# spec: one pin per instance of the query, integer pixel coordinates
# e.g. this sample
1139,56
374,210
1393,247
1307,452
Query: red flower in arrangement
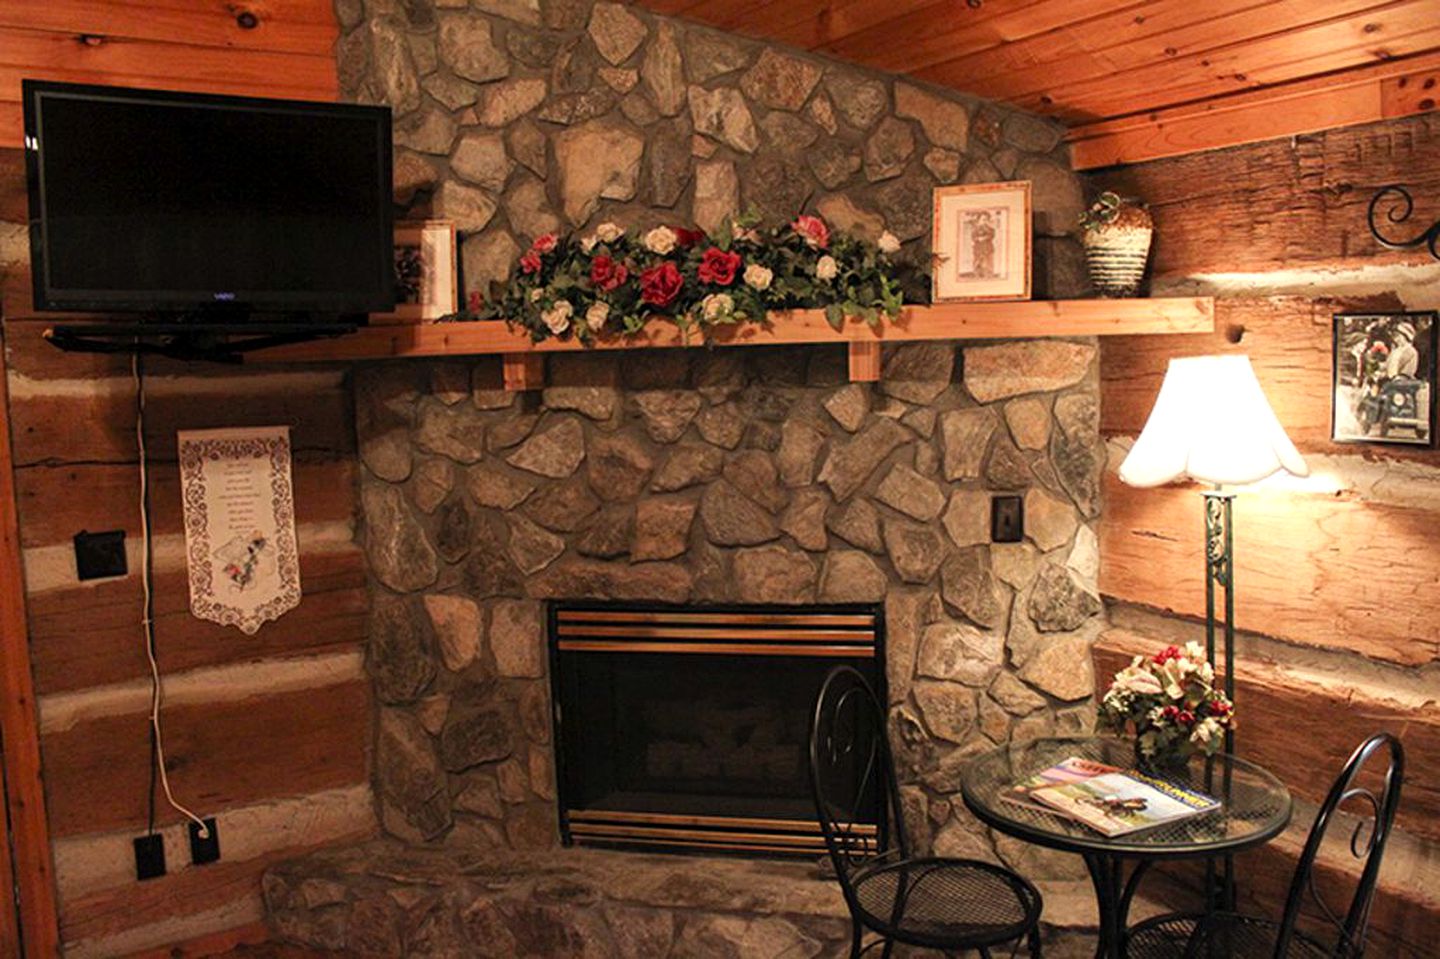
718,266
1186,718
1170,712
474,301
530,262
1219,708
607,273
812,230
687,238
1167,654
660,284
544,243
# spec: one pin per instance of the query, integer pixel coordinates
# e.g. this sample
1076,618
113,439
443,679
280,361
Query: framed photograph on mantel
981,242
1384,386
427,283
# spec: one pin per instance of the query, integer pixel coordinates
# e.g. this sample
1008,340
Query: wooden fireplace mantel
523,360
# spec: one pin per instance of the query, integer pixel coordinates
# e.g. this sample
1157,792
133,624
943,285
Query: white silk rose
557,318
717,305
758,277
596,316
609,232
661,240
826,268
889,242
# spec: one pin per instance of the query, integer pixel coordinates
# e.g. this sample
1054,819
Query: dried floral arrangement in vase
1116,232
1171,703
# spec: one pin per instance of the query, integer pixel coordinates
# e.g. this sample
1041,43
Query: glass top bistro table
1255,806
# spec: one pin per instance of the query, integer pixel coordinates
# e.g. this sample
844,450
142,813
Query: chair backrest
1376,812
856,797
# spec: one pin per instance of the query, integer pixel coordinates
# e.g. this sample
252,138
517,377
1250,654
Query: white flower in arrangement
758,277
536,295
609,232
1207,730
717,306
596,316
1136,679
661,240
557,318
587,242
747,234
826,268
889,242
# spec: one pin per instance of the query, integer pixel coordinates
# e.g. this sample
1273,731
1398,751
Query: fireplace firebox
687,728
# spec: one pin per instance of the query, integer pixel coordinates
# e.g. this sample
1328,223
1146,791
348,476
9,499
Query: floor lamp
1211,423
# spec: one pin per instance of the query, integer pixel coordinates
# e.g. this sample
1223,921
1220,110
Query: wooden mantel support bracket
522,371
864,358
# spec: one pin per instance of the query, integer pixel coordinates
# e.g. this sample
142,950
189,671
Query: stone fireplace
694,478
685,728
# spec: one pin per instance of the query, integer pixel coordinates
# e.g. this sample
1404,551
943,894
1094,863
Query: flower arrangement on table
1171,702
611,283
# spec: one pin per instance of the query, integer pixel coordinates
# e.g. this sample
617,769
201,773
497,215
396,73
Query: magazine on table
1119,803
1069,770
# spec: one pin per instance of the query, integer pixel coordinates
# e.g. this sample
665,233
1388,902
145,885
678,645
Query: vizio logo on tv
224,297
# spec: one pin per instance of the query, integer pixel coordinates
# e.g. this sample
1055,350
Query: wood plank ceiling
1134,79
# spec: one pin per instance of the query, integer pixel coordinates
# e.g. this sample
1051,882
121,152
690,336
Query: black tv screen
175,202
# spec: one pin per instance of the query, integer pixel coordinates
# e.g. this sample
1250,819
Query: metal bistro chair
946,904
1231,934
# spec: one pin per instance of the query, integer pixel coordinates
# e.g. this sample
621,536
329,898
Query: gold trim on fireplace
687,632
684,819
693,836
742,649
744,619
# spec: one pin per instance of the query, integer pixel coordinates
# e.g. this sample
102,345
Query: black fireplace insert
686,728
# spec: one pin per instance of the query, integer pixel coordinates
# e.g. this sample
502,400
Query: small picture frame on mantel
426,278
1384,378
981,242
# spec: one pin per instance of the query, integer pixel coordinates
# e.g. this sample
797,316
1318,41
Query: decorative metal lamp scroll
1401,206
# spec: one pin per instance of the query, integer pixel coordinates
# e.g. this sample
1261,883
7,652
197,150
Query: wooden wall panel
1303,729
1331,572
89,635
1283,204
220,754
279,48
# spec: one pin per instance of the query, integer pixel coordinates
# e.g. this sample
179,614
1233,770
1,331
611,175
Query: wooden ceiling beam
1397,88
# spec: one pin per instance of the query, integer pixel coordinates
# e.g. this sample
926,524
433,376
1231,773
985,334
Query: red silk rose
530,262
812,230
544,243
607,273
718,266
687,238
660,284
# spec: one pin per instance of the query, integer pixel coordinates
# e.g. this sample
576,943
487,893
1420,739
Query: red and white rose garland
609,282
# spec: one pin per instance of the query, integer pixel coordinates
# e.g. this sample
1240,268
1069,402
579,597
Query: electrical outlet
99,555
1007,519
149,856
205,848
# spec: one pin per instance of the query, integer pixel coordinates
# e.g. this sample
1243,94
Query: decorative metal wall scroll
1400,207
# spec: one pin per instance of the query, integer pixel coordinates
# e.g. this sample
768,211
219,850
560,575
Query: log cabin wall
1336,576
267,733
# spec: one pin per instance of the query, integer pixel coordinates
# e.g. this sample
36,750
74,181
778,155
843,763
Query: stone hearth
391,899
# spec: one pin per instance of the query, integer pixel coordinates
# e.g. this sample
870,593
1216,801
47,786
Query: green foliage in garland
611,283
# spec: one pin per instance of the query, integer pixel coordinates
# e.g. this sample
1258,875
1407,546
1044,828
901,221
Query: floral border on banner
610,283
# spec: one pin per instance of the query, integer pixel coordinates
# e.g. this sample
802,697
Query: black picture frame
1383,378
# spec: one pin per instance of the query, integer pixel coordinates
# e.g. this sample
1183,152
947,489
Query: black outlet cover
1007,519
99,555
149,856
207,848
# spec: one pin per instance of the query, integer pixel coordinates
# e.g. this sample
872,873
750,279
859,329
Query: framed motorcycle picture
1384,383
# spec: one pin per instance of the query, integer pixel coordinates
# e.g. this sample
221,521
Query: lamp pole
1220,573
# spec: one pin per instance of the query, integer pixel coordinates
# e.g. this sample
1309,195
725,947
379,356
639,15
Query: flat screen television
177,202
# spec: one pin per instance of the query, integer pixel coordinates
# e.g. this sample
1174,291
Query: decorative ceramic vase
1116,237
1168,764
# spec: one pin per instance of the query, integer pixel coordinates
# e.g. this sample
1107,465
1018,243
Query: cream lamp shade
1211,423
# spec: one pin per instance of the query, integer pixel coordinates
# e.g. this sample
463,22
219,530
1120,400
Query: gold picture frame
427,284
980,240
